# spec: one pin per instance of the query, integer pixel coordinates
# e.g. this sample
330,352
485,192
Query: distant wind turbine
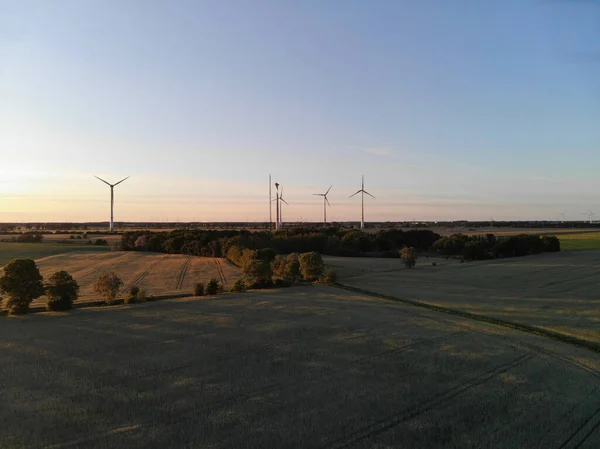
281,208
362,191
590,215
562,215
112,198
325,204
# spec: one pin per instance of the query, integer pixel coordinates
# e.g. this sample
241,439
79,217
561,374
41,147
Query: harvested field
158,274
304,367
10,251
557,292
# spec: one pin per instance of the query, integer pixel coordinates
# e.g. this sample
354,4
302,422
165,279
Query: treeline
481,247
331,241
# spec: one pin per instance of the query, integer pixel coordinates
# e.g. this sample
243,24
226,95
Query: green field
580,241
10,251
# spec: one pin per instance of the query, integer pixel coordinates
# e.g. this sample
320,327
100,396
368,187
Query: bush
212,287
257,274
108,285
141,295
409,257
132,296
61,291
329,277
239,286
311,265
22,282
199,289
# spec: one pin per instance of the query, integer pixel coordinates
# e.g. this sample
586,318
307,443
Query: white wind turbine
112,198
325,204
362,191
281,208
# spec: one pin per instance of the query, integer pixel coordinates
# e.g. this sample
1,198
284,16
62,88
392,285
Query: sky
451,110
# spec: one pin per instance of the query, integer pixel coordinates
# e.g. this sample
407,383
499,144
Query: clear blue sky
451,109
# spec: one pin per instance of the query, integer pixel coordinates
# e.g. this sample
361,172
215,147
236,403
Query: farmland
158,274
10,250
556,292
303,367
580,241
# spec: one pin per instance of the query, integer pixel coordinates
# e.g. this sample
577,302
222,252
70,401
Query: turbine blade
328,189
368,194
355,193
318,194
281,199
107,183
327,202
121,181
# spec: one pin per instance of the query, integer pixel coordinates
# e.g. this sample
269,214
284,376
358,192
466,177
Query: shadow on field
304,367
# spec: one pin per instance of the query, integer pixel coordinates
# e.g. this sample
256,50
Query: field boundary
483,318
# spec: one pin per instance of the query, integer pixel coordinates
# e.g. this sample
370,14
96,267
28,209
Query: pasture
158,274
557,292
303,367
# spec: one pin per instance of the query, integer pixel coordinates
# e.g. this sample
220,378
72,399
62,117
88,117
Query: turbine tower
562,215
325,204
280,208
270,207
112,198
362,191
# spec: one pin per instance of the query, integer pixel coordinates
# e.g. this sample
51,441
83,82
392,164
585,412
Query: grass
10,251
580,241
308,367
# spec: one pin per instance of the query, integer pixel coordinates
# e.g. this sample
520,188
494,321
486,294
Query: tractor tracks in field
383,425
182,273
143,275
220,271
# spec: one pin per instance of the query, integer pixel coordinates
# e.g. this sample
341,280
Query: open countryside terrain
13,250
158,274
556,291
303,367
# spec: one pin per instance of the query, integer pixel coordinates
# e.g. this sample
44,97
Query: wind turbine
112,198
362,191
280,208
590,215
270,207
325,204
562,215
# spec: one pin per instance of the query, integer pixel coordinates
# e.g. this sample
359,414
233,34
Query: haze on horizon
451,110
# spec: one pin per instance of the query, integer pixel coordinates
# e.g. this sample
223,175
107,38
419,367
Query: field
158,274
580,241
303,367
557,292
10,251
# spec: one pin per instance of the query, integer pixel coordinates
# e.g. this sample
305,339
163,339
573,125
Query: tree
278,265
258,274
212,287
22,282
108,286
61,291
329,277
291,271
409,256
311,265
199,289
